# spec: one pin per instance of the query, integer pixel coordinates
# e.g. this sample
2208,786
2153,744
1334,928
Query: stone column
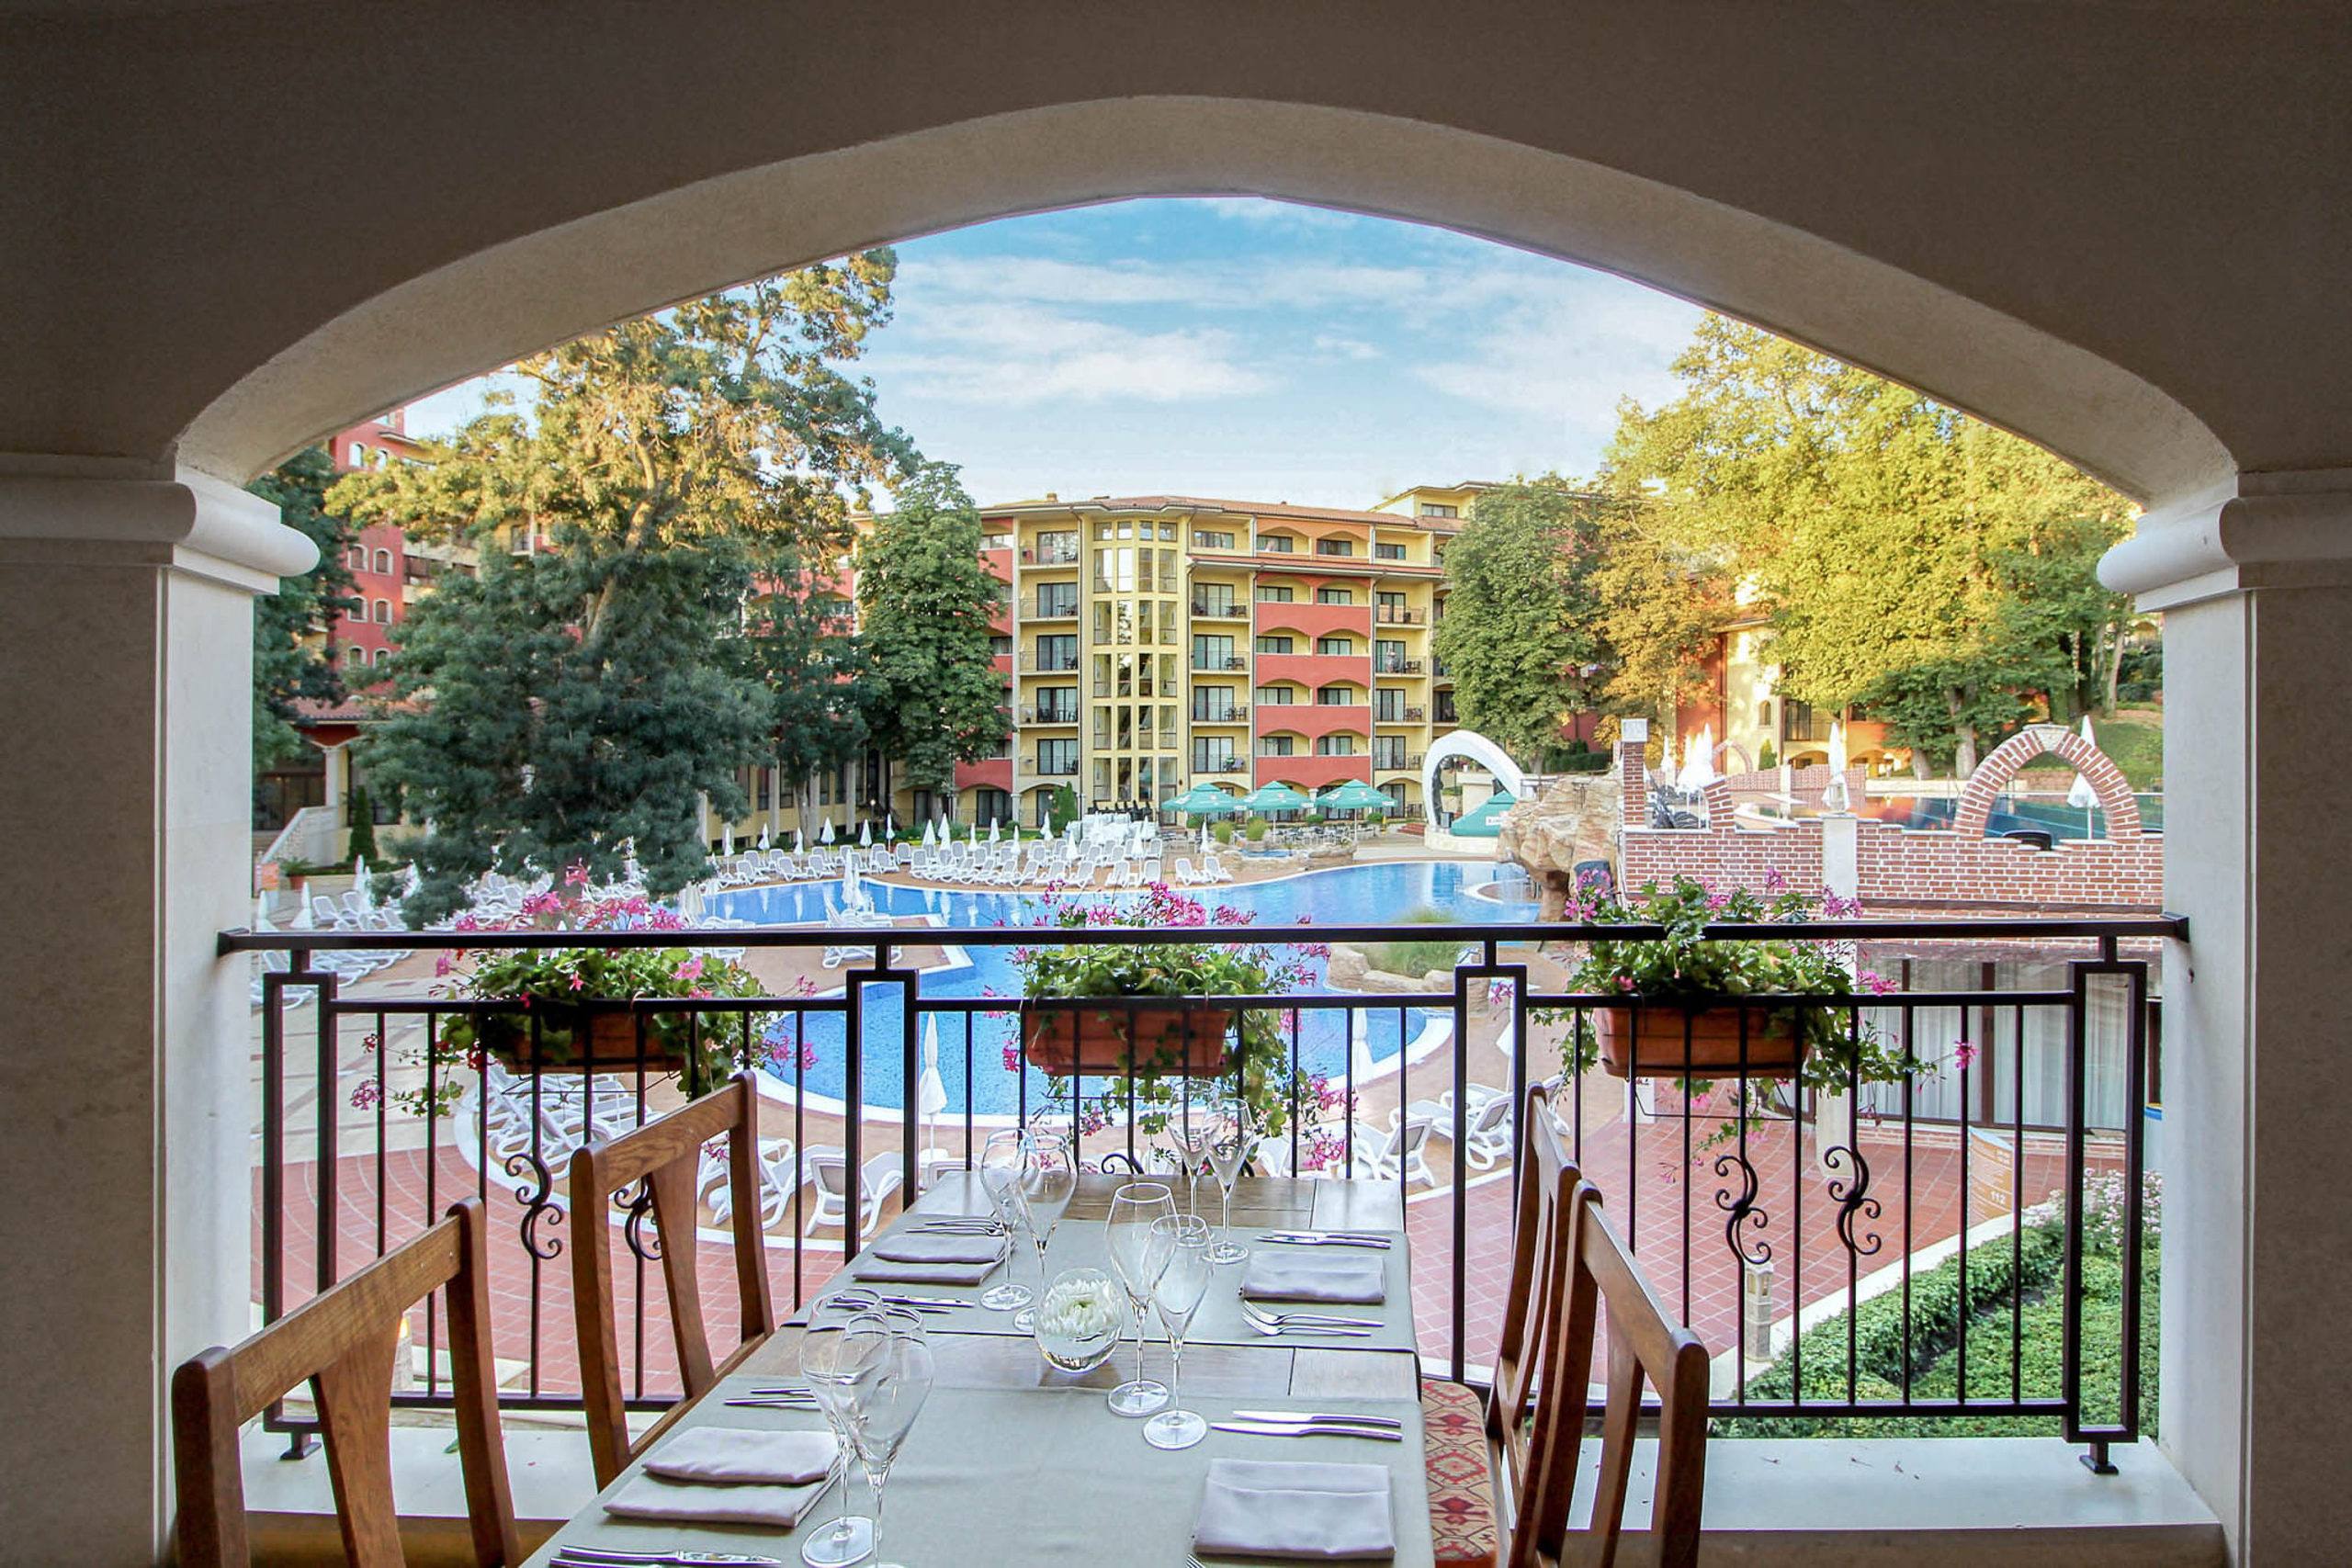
124,1068
2256,585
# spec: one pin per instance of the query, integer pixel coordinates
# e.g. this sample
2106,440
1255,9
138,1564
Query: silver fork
1281,1319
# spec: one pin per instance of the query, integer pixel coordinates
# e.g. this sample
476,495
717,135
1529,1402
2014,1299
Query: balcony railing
1393,760
1398,666
1968,1242
1209,609
1049,715
1223,765
1048,664
1204,661
1231,713
1050,768
1049,609
1389,614
1050,555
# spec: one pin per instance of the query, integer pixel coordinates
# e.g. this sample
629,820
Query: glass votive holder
1079,1319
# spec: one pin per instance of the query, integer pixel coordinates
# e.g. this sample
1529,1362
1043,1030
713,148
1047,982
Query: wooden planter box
1661,1041
1189,1041
611,1040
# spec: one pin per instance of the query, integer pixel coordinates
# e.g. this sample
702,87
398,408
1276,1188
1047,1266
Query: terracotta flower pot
611,1040
1189,1041
1662,1040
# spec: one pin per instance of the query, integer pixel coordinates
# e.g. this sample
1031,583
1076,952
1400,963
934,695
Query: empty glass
1004,1166
1182,1269
1192,1141
1049,1181
895,1372
827,1362
1127,1237
1229,1151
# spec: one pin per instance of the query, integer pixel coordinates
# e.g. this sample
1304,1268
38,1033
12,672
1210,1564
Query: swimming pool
1469,893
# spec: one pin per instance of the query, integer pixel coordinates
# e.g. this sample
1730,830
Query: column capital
2272,530
194,524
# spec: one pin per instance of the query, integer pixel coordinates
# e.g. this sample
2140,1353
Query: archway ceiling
2119,229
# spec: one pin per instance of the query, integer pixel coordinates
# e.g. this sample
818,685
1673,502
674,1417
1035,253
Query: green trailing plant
1689,968
1255,1076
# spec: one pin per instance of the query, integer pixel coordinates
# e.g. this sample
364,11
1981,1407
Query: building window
1391,606
382,654
1212,652
384,562
1335,596
1274,746
1336,646
1388,658
1207,539
355,559
1388,552
1057,599
1276,696
1335,547
1335,696
1212,705
358,455
1057,652
1388,751
355,655
1274,544
1274,594
383,611
996,542
1388,706
1273,645
1211,753
1057,758
1213,599
992,805
1335,745
1000,647
1438,509
1056,704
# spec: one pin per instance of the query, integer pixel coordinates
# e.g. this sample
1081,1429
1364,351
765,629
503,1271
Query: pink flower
578,984
441,966
1775,880
1966,1054
691,969
576,875
364,1094
1877,983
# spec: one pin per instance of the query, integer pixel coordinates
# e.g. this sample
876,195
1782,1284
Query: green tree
1917,563
925,600
819,682
290,661
1522,628
597,679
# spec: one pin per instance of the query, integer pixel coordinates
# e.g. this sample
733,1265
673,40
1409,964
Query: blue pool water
1468,893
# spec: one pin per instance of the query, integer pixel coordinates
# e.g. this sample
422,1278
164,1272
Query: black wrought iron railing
1908,1248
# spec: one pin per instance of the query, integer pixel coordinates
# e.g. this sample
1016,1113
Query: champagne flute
827,1361
1127,1237
1181,1247
893,1353
1049,1182
1229,1151
1004,1166
1192,1147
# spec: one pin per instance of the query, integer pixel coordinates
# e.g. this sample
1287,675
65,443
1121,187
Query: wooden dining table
1013,1463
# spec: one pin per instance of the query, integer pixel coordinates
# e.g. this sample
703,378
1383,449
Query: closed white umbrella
2080,794
931,1090
1836,797
302,920
1699,761
727,840
865,834
799,842
360,882
262,921
763,838
946,826
825,833
993,825
930,836
890,827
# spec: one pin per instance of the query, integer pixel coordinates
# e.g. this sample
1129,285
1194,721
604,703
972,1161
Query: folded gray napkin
736,1456
874,1269
909,1248
1277,1275
1316,1512
650,1497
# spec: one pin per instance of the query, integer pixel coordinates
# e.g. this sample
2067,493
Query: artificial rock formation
1573,821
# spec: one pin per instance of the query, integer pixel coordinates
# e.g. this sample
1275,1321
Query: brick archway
1994,772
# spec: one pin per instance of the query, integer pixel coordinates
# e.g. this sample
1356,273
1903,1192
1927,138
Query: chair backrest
1520,1431
344,1341
1645,1345
666,1155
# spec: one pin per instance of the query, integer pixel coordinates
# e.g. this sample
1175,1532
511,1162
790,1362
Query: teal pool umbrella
1276,796
1486,822
1203,800
1353,794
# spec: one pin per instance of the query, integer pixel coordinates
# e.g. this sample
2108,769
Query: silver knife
1318,1417
1327,1241
1307,1429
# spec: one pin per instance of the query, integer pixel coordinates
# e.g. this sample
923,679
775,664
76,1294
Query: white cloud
1561,354
1019,354
1332,345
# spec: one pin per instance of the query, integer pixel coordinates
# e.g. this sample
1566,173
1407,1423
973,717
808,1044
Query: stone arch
1479,749
1994,772
496,294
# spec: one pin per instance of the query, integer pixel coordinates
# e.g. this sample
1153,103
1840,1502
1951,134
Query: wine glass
1005,1167
1192,1147
1127,1237
896,1370
1048,1182
1229,1151
1180,1246
827,1362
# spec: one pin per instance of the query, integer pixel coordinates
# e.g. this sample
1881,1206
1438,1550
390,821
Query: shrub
1256,831
1766,757
1414,957
1222,832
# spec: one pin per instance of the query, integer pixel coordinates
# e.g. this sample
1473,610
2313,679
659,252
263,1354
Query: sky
1246,350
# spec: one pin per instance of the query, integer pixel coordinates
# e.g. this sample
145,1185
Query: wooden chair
1644,1345
666,1155
344,1341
